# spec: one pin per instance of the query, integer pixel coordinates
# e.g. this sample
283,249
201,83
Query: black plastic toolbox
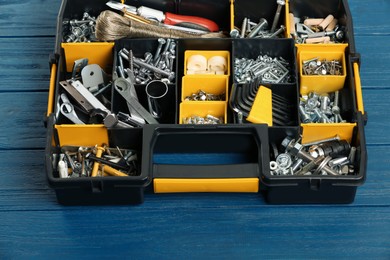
229,157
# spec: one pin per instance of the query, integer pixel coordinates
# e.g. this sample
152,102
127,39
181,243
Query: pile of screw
157,66
207,120
333,157
317,30
76,162
250,29
80,30
265,68
324,108
204,96
316,66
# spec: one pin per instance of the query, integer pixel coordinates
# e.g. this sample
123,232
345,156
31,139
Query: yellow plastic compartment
82,135
318,83
319,131
202,109
208,55
216,85
100,53
206,185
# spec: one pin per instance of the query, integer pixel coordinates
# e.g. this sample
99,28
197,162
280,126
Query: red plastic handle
175,19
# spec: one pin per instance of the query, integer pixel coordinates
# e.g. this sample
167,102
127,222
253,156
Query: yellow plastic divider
250,185
231,14
100,53
50,101
82,135
216,85
318,131
358,85
261,111
202,109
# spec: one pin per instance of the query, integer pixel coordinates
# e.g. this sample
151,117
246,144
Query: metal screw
161,42
325,101
243,27
234,33
279,31
296,149
167,45
260,26
280,3
335,107
169,74
304,116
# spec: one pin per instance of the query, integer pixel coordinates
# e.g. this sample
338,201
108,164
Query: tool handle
194,22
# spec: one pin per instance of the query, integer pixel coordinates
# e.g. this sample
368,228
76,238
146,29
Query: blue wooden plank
21,116
248,233
377,107
24,63
370,17
375,50
28,18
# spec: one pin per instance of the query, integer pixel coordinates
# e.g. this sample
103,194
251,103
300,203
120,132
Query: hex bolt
260,26
280,3
161,42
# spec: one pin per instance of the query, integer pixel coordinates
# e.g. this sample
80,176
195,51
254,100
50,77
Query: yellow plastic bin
321,83
216,85
202,109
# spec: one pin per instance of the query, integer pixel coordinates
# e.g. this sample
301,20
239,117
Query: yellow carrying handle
358,86
51,89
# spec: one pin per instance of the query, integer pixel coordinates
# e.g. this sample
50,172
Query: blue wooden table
236,226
